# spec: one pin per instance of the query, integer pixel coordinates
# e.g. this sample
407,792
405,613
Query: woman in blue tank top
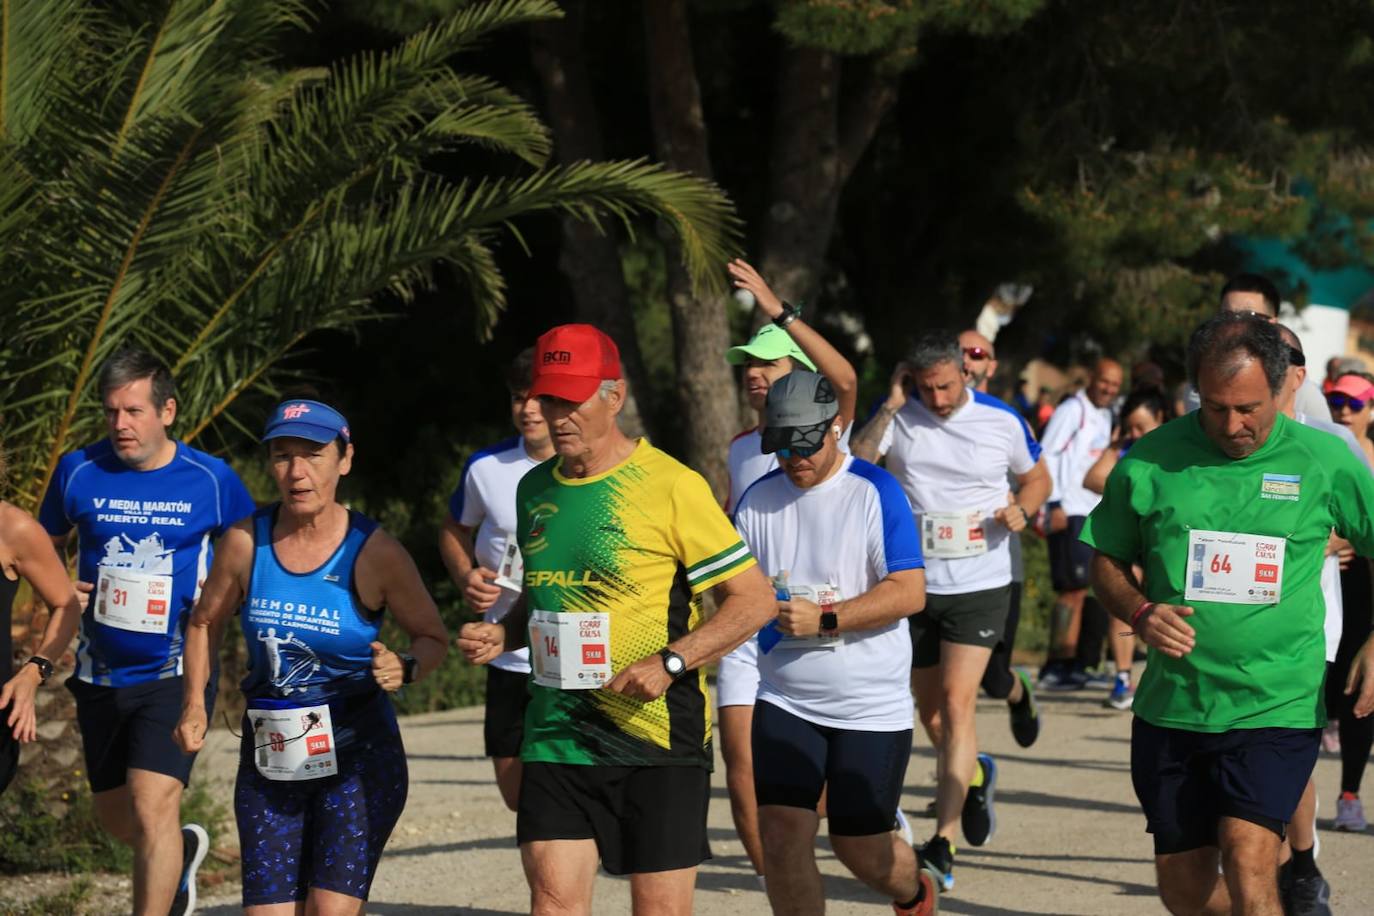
322,772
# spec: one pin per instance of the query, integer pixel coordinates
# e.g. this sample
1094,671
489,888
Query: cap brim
575,388
776,437
295,429
1354,386
736,356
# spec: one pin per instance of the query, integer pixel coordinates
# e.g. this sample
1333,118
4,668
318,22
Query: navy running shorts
1070,558
643,819
130,728
1187,781
327,833
795,759
503,726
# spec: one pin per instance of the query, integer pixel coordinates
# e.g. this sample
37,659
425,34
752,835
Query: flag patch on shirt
1281,486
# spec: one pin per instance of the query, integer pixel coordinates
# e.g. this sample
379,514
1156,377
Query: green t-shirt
640,543
1253,665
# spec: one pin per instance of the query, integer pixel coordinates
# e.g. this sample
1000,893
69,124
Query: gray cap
800,406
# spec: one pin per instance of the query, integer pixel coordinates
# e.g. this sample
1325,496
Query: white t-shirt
485,500
956,464
849,531
1331,568
1074,439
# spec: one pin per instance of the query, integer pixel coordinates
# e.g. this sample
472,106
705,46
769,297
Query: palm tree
165,182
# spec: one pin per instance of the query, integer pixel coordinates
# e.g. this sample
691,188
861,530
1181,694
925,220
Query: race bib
290,745
951,535
570,651
1234,568
816,594
129,600
511,573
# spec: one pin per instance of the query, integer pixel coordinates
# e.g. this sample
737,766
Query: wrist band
1144,606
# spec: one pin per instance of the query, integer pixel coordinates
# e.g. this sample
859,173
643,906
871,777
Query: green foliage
169,183
39,833
1037,596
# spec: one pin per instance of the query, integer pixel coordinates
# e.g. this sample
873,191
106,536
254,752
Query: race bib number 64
1234,568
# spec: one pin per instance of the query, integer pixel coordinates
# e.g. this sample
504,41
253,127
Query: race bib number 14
1234,568
570,651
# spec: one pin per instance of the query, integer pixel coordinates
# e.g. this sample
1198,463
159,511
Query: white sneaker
1350,814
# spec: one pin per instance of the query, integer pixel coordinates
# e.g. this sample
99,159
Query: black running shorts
1070,558
130,728
862,772
973,619
1186,781
643,819
503,727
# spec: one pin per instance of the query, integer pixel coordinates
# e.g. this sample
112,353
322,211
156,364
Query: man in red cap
620,541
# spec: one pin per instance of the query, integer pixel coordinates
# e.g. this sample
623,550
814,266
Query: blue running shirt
308,634
162,522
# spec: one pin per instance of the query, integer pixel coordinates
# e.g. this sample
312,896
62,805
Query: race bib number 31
136,601
951,535
1234,568
570,651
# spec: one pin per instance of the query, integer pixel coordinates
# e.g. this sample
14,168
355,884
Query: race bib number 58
1234,568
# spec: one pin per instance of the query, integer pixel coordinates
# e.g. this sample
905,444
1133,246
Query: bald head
1105,382
979,360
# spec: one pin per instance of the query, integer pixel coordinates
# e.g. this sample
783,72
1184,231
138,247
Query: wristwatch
830,621
409,667
44,668
672,663
789,314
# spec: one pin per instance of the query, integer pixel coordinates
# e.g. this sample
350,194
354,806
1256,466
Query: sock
920,895
1304,864
977,779
763,883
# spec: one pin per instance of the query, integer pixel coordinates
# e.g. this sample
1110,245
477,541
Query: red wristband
1144,606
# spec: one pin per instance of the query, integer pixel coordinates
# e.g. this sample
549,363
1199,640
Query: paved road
1070,838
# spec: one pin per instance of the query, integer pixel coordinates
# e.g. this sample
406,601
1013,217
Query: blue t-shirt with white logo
161,522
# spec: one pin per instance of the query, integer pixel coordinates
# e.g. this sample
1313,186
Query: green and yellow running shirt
640,542
1253,665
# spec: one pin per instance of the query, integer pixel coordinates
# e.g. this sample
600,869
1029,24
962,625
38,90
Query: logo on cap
295,412
558,357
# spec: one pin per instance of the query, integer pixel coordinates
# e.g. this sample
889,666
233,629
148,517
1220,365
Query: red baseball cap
572,360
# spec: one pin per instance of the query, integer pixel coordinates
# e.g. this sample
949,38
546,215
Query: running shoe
936,858
1350,813
1331,737
1310,896
1122,695
979,817
903,828
195,843
1025,716
1097,677
1060,677
928,903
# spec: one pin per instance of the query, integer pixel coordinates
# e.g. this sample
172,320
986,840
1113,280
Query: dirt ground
1070,836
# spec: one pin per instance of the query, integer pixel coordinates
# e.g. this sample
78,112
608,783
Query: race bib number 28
1234,568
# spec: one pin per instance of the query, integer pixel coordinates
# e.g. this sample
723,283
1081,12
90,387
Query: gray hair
1227,339
130,364
935,348
606,387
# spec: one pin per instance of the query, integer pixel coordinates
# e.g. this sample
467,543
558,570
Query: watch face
673,664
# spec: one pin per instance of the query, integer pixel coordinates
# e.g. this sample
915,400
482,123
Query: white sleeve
1059,433
1022,459
474,507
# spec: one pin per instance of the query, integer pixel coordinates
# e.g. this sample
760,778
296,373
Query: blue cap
302,418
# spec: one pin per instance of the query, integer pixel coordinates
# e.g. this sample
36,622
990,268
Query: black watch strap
44,668
410,666
674,664
790,313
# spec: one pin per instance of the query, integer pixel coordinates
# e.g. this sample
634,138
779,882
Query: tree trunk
701,326
818,138
590,259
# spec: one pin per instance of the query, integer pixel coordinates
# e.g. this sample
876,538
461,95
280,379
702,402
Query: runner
1229,510
322,772
1145,409
1076,436
787,343
27,553
836,534
951,449
1303,889
478,546
146,510
619,542
1001,681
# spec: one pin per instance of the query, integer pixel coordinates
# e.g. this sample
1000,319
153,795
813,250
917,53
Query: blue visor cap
305,419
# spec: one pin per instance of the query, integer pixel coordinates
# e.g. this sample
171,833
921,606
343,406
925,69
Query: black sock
920,895
1304,865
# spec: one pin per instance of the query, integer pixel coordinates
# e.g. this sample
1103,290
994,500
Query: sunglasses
1338,400
801,451
977,353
